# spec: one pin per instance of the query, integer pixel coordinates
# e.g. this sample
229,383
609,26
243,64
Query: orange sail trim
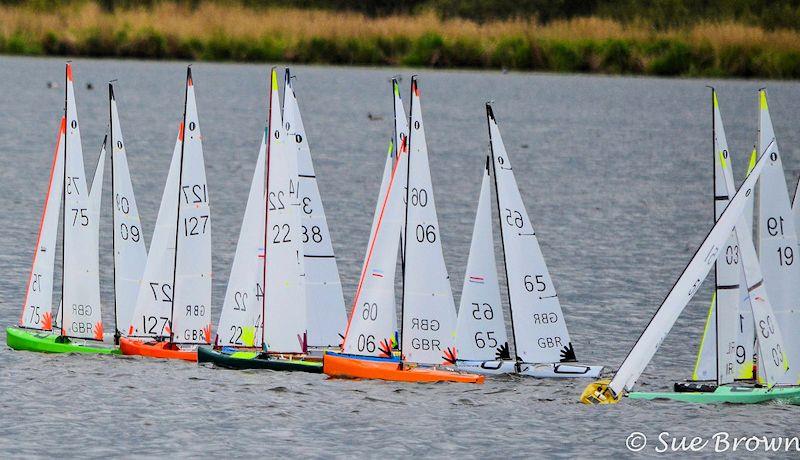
164,350
69,71
98,331
338,366
61,130
207,333
47,321
372,246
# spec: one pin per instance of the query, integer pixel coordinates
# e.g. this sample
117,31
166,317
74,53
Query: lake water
615,173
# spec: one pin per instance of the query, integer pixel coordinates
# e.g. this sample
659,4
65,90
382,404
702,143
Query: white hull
544,370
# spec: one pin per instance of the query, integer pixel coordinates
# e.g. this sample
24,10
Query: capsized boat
539,332
773,365
172,313
258,328
79,325
428,310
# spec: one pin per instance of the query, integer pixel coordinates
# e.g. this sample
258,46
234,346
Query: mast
113,213
67,77
489,118
404,247
273,87
714,210
397,146
178,211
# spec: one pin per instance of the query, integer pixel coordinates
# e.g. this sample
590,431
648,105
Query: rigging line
178,210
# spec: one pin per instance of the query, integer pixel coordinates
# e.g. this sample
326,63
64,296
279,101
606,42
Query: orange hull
353,368
164,350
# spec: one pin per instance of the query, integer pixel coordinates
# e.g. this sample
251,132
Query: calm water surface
615,173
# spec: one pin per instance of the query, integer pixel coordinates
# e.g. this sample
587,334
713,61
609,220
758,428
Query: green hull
46,342
252,360
729,394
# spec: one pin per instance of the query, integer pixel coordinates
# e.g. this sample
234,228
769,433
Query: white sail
240,321
719,356
130,254
191,310
284,301
684,289
777,245
151,314
429,314
81,315
325,310
37,311
481,328
540,330
373,318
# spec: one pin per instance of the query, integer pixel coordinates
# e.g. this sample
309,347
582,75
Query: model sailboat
172,314
80,327
428,318
774,364
265,328
729,297
539,330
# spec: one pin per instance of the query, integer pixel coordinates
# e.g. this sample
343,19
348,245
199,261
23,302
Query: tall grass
216,32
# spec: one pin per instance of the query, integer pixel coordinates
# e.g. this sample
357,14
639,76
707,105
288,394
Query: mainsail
726,351
777,245
191,305
130,254
481,329
539,329
284,300
325,311
80,315
429,315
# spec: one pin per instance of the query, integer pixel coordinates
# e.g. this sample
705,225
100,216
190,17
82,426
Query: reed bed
234,33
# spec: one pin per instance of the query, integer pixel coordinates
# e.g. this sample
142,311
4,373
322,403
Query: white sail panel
37,311
284,307
684,289
728,267
191,310
481,328
429,314
130,254
151,314
80,316
240,320
777,245
540,330
325,310
373,318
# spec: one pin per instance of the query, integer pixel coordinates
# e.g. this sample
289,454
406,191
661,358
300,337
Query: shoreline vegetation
210,31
